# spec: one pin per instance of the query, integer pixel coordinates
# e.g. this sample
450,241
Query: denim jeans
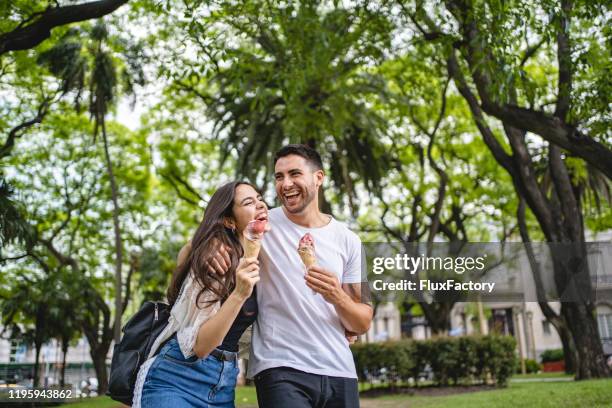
173,381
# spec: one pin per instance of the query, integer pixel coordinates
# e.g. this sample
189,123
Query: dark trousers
284,387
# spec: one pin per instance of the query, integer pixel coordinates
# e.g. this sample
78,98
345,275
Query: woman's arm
213,331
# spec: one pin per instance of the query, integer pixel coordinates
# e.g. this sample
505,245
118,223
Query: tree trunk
36,379
574,286
569,351
39,339
98,357
438,317
97,327
324,205
591,362
118,243
558,321
65,344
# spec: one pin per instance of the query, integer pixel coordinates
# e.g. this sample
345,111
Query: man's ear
319,177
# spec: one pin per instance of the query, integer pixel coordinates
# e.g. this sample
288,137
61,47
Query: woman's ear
229,223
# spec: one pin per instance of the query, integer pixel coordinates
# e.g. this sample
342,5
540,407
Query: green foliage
297,73
551,355
230,82
13,226
460,359
531,366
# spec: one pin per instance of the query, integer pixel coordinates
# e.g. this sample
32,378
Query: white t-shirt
295,326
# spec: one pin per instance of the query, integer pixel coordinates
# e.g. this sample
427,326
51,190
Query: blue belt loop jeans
173,381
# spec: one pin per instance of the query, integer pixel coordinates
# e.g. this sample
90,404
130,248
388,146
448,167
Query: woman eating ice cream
198,364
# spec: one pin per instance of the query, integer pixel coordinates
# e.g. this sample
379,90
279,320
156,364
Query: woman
208,310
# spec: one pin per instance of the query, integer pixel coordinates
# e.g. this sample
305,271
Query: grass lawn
594,393
95,402
245,396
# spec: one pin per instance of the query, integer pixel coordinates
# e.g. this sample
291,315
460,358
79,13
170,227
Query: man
300,356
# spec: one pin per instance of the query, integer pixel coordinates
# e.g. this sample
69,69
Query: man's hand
219,260
326,283
350,336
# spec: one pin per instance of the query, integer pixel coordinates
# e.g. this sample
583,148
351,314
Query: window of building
604,322
546,327
18,351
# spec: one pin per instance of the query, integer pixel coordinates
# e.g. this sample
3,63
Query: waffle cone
307,256
251,248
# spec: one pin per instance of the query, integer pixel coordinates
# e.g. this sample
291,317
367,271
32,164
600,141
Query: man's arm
355,316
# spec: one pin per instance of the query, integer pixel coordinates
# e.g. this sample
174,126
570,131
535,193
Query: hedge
552,355
450,359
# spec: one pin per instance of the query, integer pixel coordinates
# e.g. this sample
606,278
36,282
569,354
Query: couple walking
301,317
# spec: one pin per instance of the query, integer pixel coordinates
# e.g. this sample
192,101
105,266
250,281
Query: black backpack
139,334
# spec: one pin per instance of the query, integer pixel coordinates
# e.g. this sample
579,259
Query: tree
69,209
24,25
434,151
23,313
34,303
500,82
293,74
98,73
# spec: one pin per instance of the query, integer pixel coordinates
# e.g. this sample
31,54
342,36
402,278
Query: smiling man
300,356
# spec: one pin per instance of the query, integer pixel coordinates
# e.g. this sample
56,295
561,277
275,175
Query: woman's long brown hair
209,235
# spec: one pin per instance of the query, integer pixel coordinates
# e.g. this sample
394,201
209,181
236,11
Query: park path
363,403
378,403
531,380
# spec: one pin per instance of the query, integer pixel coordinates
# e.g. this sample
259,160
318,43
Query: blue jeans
173,381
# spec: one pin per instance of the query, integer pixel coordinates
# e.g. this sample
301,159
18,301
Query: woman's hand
247,275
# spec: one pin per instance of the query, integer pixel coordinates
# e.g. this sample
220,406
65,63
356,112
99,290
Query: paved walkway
532,380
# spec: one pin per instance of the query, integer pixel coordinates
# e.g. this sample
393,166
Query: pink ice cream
306,250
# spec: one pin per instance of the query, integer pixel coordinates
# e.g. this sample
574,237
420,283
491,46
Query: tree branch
435,217
43,108
29,36
489,138
547,310
134,263
176,188
62,259
530,51
553,129
563,186
187,186
13,258
565,62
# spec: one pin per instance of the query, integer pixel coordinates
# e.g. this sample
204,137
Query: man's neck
310,217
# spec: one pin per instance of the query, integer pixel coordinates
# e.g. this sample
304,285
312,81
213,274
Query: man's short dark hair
302,150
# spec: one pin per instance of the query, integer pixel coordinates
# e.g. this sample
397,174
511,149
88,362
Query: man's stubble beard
308,198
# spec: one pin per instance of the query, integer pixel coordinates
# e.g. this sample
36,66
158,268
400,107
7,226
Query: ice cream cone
251,248
251,242
308,256
306,250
